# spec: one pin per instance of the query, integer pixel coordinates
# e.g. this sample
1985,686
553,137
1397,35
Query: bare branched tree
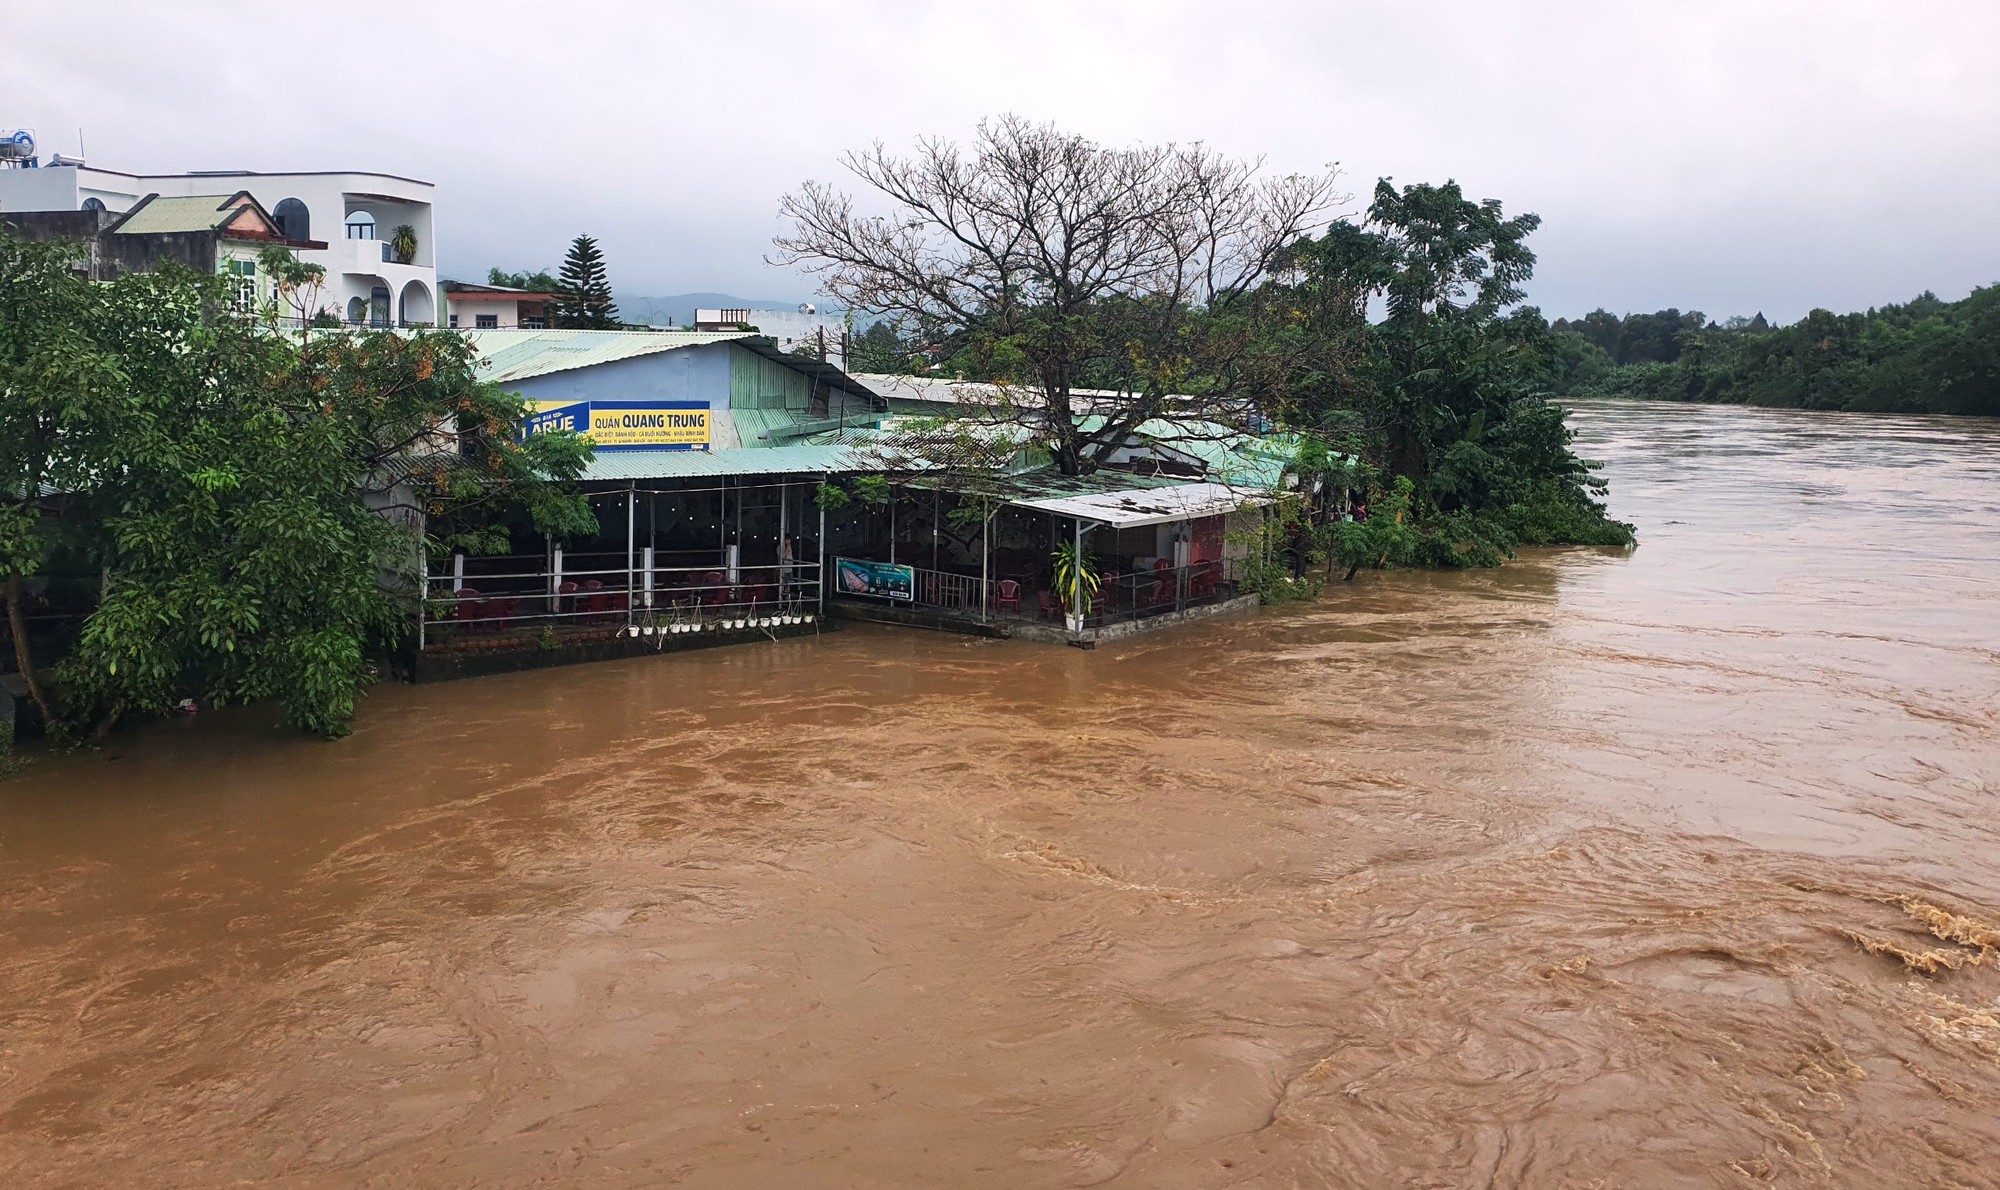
1061,265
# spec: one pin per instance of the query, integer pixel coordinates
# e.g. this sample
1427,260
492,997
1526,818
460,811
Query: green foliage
252,496
299,286
871,489
1925,356
1075,574
1385,538
583,296
831,497
1445,395
403,242
881,348
539,281
1282,555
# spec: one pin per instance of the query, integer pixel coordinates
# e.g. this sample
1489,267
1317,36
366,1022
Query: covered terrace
985,551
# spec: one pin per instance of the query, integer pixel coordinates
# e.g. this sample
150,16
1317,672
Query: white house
356,214
803,330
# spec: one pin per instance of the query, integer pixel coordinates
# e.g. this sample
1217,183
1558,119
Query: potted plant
1075,582
403,242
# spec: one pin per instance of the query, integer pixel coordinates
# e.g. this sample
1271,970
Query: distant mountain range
679,308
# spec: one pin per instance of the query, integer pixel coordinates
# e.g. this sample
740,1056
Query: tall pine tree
584,301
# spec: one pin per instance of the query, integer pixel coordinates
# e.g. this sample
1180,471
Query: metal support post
1076,576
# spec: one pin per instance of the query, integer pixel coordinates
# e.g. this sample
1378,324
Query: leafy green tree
258,501
62,395
1446,391
583,296
881,349
538,281
274,497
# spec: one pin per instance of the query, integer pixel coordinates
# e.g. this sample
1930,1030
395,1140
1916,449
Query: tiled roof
202,212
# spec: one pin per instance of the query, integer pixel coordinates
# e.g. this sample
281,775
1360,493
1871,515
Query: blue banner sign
883,580
627,425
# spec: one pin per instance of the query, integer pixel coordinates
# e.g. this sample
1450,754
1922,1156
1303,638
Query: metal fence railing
1120,597
945,589
479,598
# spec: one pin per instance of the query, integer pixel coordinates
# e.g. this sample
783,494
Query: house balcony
371,257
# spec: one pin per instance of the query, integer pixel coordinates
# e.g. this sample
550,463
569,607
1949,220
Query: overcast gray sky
1731,157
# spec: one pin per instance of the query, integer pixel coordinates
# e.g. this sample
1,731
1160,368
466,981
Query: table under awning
1128,508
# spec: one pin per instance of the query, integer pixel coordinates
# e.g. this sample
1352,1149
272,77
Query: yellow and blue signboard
627,425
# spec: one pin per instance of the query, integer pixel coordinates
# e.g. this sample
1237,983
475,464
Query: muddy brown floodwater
1677,868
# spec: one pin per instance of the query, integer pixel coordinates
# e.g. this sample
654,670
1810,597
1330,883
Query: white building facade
355,214
803,330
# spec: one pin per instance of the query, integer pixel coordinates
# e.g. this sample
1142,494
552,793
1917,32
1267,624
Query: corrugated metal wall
759,383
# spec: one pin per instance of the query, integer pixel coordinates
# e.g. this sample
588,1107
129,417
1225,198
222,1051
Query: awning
1133,507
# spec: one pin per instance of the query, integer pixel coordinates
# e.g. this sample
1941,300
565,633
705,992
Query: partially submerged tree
583,297
250,495
1448,389
1056,264
62,394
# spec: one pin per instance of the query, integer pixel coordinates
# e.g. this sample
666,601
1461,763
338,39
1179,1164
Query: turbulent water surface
1671,868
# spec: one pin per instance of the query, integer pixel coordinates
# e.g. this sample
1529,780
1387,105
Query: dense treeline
1924,356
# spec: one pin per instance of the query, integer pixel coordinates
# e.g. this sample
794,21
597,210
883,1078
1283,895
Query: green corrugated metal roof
202,212
621,465
752,422
509,354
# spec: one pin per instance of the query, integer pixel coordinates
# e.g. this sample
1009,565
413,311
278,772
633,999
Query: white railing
581,592
942,588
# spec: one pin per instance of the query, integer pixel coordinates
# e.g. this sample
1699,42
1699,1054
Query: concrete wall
39,190
467,310
113,255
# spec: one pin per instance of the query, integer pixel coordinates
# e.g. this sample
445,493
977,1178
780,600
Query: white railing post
648,552
457,573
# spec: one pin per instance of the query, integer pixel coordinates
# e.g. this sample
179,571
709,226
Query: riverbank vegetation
218,501
1922,356
1102,289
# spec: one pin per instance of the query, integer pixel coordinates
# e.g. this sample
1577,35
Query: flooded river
1671,868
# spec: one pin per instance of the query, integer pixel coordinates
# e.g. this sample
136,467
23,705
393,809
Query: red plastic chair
1046,605
714,593
468,607
1008,597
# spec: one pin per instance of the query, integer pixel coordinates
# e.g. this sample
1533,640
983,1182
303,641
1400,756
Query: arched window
361,226
93,204
357,309
293,219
